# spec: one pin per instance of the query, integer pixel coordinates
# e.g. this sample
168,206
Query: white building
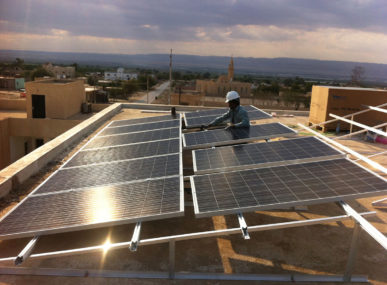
119,75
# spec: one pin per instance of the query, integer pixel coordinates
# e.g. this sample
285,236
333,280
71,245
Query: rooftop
352,88
320,249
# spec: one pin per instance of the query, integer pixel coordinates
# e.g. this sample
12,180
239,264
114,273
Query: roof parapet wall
22,169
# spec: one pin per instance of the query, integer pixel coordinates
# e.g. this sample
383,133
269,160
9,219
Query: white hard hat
232,95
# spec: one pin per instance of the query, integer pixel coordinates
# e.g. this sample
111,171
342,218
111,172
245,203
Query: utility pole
147,88
170,78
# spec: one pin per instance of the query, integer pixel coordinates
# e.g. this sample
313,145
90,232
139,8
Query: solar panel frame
137,128
104,169
290,133
124,152
131,138
283,205
226,168
196,122
116,222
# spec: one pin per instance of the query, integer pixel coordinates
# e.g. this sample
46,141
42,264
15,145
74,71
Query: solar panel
215,112
283,186
95,207
124,152
256,155
143,120
122,139
111,173
140,127
218,137
204,120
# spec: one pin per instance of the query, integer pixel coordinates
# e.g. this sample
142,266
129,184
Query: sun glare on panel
102,206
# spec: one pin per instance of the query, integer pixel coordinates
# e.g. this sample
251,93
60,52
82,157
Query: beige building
50,108
223,84
342,101
54,99
60,71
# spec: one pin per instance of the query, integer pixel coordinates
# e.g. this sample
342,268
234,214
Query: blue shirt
238,117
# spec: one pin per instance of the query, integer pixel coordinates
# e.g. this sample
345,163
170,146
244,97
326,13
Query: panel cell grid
283,186
124,152
143,120
110,173
94,207
122,139
251,155
222,137
140,127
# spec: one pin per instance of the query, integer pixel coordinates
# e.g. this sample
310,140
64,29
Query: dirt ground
319,249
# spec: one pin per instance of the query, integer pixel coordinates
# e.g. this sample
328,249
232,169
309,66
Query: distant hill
282,67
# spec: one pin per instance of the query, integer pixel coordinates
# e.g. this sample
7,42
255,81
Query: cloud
355,29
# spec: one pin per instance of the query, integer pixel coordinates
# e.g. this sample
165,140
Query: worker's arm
245,122
220,119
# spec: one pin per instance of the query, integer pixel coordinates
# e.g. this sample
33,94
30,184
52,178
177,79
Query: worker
239,118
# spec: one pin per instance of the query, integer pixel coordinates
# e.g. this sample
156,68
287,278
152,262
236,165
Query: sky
349,30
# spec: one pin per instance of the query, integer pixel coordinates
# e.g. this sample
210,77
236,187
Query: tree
357,75
19,62
130,86
40,72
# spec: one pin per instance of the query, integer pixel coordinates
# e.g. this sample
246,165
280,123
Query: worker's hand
203,127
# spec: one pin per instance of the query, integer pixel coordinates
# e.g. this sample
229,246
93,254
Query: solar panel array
195,119
218,137
283,186
130,171
262,154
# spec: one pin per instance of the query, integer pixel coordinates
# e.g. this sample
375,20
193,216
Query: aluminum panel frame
267,164
283,205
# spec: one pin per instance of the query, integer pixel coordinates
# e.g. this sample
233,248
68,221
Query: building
223,84
60,71
11,83
50,108
119,75
342,101
54,99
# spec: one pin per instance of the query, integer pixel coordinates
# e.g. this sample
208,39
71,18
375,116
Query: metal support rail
346,116
380,203
359,125
370,229
358,132
347,149
191,236
376,108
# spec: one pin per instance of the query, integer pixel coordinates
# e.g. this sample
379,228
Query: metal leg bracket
243,226
136,237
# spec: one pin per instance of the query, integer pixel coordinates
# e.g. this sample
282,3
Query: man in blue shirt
239,118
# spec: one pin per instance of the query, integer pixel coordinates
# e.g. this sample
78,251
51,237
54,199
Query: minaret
231,70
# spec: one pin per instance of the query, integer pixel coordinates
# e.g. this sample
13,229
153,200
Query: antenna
170,78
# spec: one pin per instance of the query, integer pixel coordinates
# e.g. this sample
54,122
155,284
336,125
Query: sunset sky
353,30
